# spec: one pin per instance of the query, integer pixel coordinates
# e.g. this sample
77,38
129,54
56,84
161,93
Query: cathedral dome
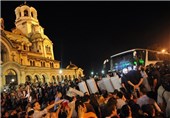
72,66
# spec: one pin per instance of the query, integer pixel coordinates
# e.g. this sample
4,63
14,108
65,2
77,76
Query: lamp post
104,63
60,71
104,67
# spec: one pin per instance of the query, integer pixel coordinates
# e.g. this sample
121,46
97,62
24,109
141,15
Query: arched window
36,78
53,77
32,14
46,47
74,77
25,47
41,64
28,78
69,77
43,80
19,14
58,78
62,77
25,13
66,77
51,65
4,54
31,64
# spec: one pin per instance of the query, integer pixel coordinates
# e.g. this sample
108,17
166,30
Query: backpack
166,82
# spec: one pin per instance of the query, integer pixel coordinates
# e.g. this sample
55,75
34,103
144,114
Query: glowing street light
92,73
12,80
163,51
102,71
60,71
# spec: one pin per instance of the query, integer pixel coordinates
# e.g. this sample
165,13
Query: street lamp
92,73
12,80
102,71
163,51
104,65
60,71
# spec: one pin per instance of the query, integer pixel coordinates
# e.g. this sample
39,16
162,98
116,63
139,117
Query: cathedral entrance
11,77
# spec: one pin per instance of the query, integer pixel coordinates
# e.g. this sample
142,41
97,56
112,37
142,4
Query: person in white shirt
37,107
120,100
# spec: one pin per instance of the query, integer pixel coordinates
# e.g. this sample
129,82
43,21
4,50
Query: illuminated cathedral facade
27,53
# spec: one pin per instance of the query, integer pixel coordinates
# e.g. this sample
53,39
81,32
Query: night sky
86,33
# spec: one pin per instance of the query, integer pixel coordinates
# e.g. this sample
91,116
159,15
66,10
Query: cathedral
27,53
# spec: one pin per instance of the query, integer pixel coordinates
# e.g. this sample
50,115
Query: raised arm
52,105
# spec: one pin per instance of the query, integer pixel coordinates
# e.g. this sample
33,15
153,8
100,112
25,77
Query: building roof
17,38
71,66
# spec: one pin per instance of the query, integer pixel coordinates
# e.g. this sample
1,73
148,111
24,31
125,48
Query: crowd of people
144,94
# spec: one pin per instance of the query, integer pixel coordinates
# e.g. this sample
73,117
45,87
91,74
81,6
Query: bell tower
26,20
